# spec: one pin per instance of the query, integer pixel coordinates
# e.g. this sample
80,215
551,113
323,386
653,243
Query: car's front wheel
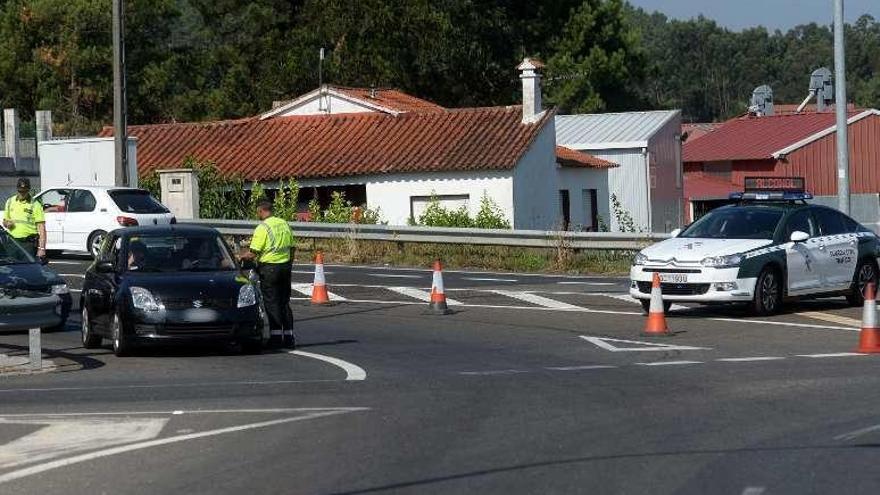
89,339
768,292
121,343
866,271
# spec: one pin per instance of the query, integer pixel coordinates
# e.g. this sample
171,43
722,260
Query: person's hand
41,253
9,224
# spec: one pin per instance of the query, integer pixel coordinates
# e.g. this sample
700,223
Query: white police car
768,248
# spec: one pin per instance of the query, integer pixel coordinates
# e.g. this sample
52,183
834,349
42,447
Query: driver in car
137,254
205,257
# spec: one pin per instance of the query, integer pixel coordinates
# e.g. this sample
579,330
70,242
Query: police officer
272,247
23,218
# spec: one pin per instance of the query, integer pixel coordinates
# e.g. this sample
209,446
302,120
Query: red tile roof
318,146
699,129
568,157
390,98
755,138
699,185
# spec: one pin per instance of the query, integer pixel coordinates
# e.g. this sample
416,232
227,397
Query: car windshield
178,253
735,223
11,253
137,201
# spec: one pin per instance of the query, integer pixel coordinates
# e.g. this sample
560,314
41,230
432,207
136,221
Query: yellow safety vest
273,239
25,214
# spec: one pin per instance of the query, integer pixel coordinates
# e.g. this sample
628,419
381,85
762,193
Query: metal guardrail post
36,348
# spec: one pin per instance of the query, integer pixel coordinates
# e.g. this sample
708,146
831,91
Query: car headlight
729,261
144,300
60,289
640,259
247,296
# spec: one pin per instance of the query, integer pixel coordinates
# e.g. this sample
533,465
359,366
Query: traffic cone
655,325
319,287
438,294
869,337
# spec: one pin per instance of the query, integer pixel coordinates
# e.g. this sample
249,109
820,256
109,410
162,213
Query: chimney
531,88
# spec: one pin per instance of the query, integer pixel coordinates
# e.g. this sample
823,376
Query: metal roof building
647,146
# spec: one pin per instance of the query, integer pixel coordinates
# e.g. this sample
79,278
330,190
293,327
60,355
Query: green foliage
150,182
490,215
624,219
341,210
315,213
257,194
286,200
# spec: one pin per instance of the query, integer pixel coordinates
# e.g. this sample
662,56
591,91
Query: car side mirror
675,233
105,267
799,236
248,264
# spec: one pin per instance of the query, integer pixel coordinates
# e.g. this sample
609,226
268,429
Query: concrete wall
536,184
665,177
576,180
392,193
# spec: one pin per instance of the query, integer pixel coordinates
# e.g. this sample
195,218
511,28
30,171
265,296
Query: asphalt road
533,385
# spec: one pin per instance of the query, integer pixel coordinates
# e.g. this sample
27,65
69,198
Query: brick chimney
531,87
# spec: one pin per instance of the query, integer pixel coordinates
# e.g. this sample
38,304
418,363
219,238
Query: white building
647,146
392,151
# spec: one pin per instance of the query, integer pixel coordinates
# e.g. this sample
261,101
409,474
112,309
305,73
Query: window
81,201
801,221
178,253
735,223
831,222
450,202
565,208
136,201
54,200
853,226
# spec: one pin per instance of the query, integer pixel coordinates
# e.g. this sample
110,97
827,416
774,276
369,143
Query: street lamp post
843,202
119,101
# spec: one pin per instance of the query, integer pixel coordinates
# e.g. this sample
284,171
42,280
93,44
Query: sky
773,14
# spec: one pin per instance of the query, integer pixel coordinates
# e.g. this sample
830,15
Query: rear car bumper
704,285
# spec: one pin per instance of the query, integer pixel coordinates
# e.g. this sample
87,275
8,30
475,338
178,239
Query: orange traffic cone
869,337
319,287
438,294
655,326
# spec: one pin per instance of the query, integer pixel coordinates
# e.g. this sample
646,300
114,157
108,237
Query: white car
78,218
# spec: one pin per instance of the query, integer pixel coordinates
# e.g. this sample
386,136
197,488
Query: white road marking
75,275
857,433
32,470
669,363
395,275
492,372
480,306
353,372
249,383
64,437
78,263
482,279
307,290
75,290
421,295
832,355
606,343
785,324
539,300
628,298
754,490
750,359
841,320
308,272
586,283
578,368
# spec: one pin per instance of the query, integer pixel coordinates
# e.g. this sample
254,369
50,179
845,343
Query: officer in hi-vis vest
23,218
272,247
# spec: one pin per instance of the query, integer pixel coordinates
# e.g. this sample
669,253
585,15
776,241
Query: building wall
392,193
334,104
665,177
576,180
629,182
536,184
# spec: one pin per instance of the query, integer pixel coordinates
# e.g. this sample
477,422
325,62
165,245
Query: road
533,385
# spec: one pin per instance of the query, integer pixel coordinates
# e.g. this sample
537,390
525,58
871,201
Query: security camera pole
119,111
840,110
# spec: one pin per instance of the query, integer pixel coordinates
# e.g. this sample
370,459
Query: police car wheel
865,272
646,305
768,292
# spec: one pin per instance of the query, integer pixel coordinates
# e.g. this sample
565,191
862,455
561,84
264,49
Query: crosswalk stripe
421,295
539,300
307,290
843,320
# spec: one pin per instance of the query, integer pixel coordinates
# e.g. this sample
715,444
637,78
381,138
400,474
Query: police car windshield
735,223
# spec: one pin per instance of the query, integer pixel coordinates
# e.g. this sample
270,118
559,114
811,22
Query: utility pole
120,132
843,203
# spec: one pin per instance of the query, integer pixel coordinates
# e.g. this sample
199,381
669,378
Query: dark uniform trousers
275,282
30,244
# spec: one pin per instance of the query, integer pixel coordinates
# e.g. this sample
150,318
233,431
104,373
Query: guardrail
445,235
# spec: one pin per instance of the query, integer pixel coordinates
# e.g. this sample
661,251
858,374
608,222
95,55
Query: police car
769,247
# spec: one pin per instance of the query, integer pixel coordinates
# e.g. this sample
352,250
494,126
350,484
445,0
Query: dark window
735,223
136,201
802,221
54,200
831,222
565,207
853,226
81,201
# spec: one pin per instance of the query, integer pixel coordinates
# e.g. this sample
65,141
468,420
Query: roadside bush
489,216
341,210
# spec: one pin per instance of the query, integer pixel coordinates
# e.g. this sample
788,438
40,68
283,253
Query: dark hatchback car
31,295
169,284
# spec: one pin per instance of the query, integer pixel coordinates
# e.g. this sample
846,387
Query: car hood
28,276
695,249
189,284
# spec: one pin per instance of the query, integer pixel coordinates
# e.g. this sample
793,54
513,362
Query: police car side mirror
675,233
799,236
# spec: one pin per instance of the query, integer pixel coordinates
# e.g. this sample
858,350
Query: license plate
674,278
